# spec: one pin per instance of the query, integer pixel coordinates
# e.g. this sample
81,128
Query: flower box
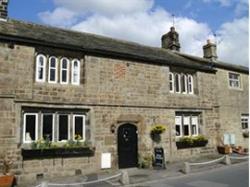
184,145
57,153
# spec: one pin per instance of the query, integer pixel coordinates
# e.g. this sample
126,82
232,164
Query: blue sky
144,21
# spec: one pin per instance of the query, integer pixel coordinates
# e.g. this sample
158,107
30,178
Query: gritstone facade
76,88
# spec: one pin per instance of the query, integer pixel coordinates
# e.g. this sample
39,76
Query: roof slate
34,34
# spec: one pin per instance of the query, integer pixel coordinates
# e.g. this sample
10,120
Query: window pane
63,127
190,84
177,84
178,120
76,72
186,123
30,130
194,130
183,83
186,130
40,73
53,62
41,61
177,130
64,75
52,75
171,82
79,126
48,126
64,64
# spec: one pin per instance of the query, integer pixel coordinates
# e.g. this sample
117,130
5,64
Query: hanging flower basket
156,131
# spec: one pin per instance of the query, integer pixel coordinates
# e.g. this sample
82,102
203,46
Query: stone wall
232,103
115,91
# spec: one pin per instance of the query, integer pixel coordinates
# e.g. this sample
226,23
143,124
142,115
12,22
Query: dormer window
64,77
40,68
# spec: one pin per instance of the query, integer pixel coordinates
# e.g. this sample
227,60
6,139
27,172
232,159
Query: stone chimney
171,40
210,51
4,9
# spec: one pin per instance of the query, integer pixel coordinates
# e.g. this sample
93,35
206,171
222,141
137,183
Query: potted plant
156,131
145,161
6,179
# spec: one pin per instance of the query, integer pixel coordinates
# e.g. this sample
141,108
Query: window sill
29,154
185,145
235,88
182,94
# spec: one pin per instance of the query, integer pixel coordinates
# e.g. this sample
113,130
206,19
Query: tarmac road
229,176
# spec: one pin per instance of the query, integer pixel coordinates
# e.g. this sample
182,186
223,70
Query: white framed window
234,80
171,82
52,70
245,121
75,74
79,127
63,127
41,61
54,125
177,81
190,84
186,124
64,71
48,123
194,126
30,127
183,83
178,126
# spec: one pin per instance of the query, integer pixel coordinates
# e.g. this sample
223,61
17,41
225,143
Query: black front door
127,146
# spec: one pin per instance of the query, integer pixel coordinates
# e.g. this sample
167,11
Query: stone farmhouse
70,87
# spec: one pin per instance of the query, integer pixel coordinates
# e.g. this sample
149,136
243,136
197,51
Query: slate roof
217,64
39,35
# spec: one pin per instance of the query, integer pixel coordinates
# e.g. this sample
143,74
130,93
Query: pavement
139,176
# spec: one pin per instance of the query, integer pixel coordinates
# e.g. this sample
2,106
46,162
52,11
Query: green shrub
192,139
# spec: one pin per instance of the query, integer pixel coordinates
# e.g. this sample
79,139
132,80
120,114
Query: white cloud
60,17
234,45
106,7
141,22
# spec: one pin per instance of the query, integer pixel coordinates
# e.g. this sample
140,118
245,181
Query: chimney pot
210,51
171,40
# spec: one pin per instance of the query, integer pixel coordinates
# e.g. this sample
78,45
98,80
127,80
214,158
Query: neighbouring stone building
59,84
